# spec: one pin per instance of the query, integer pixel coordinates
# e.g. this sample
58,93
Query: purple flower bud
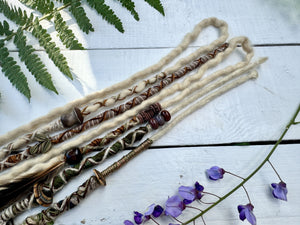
189,194
246,213
138,217
158,210
215,173
174,206
128,222
154,210
280,190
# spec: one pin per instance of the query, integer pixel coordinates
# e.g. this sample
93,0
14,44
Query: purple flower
215,173
189,194
154,210
174,224
138,217
246,213
174,206
280,190
128,222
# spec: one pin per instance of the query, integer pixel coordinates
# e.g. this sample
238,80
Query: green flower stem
292,122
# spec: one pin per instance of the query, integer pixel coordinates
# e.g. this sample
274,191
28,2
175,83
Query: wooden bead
154,123
73,118
166,115
156,107
73,156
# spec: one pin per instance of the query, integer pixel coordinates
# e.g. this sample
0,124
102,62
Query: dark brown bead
166,115
73,118
73,156
154,123
156,107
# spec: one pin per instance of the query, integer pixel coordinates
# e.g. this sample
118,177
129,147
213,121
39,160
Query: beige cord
54,114
202,102
50,157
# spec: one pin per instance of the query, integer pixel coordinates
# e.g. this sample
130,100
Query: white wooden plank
263,22
254,111
157,173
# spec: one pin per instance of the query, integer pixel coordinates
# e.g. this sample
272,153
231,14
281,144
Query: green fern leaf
107,13
156,4
15,14
33,62
129,5
80,15
13,71
66,35
43,6
53,52
4,28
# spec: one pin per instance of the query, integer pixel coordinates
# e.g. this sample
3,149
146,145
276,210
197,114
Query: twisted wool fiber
57,182
50,156
190,37
64,176
45,145
217,84
71,201
61,179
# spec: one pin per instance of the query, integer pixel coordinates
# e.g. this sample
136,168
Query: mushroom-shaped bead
73,118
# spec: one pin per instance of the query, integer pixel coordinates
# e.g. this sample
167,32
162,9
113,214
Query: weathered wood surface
255,111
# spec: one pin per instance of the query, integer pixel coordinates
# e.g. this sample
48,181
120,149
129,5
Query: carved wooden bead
166,115
156,107
153,123
73,118
73,156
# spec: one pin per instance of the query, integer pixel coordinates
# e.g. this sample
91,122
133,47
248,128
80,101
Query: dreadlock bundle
142,108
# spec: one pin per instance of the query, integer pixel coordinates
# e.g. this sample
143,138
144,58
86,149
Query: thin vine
291,122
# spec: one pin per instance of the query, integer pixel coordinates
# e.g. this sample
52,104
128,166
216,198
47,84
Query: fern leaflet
43,6
66,35
33,62
156,4
129,5
16,14
4,28
107,13
80,15
53,52
13,71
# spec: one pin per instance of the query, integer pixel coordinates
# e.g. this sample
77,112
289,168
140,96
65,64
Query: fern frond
66,35
107,13
53,52
16,14
13,71
156,4
130,6
4,28
80,15
43,6
33,61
